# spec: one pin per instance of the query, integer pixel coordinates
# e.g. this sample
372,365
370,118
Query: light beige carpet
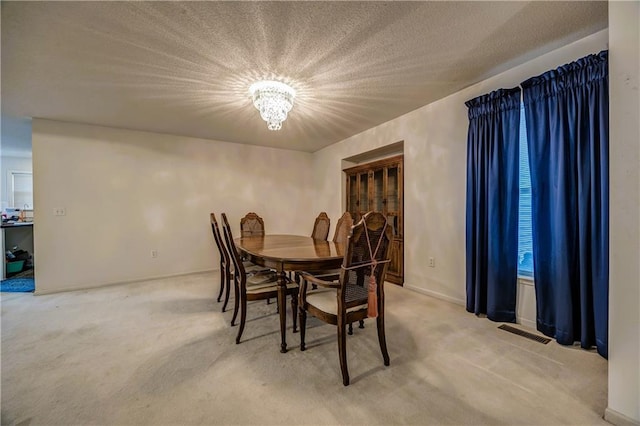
161,352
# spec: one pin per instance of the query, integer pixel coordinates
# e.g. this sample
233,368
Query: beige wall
126,193
624,277
435,176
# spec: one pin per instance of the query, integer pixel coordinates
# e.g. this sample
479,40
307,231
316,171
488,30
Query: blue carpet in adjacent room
17,285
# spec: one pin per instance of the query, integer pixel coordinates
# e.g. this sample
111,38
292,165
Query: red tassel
372,298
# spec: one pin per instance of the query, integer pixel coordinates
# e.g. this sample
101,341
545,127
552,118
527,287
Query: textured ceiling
185,67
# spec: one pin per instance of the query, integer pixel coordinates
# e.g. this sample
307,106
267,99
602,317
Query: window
22,190
525,240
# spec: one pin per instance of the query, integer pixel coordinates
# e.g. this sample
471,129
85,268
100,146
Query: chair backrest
225,262
370,238
251,225
238,266
321,227
343,228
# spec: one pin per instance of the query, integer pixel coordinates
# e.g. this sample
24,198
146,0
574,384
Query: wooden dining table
290,253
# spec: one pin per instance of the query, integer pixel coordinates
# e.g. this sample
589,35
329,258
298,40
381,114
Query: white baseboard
522,321
527,323
38,292
436,295
619,419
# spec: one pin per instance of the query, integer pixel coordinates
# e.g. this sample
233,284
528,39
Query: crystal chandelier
274,100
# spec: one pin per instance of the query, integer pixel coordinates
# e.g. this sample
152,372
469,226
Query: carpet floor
161,353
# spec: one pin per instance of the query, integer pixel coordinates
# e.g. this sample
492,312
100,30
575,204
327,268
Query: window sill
524,280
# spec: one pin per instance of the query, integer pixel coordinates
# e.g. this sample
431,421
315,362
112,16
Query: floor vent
526,334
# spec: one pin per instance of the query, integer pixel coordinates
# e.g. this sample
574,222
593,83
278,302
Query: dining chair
359,291
251,224
321,227
226,265
341,233
257,286
343,228
320,231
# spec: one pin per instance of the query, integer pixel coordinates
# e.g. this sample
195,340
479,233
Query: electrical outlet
59,211
432,262
154,253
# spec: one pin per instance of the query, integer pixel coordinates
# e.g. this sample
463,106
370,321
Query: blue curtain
567,113
492,204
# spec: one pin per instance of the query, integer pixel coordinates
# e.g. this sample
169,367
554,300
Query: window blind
525,240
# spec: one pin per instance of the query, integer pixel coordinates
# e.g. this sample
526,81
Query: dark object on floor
17,261
14,267
26,273
523,333
18,285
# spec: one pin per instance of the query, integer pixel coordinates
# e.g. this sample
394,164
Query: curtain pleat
567,113
492,204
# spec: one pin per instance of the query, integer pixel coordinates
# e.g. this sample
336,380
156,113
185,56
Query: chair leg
236,302
342,352
294,310
303,326
381,337
222,280
227,287
361,325
243,319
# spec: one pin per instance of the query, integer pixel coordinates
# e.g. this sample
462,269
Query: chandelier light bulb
274,100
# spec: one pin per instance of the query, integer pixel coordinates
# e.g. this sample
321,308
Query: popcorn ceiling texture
184,68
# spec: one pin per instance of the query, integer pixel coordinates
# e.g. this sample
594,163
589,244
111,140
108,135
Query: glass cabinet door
353,194
392,189
393,199
378,191
364,192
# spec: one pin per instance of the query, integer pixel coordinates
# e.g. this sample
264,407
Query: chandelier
274,100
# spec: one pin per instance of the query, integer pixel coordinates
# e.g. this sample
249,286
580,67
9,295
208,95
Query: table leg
282,309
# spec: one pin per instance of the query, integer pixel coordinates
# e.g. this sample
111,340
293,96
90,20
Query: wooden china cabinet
378,186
